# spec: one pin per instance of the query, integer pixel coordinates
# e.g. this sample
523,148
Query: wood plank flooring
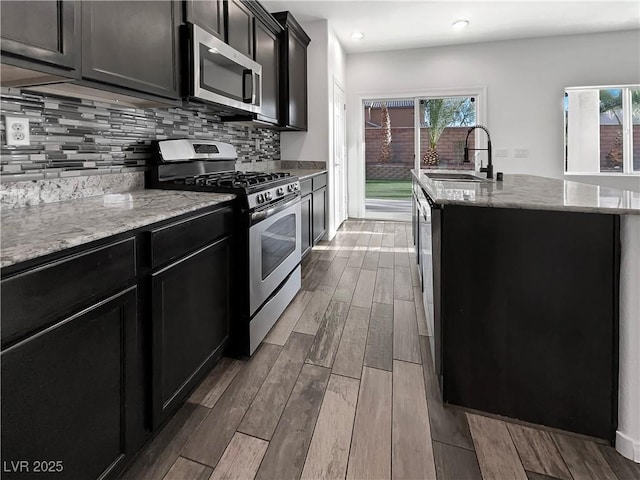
343,387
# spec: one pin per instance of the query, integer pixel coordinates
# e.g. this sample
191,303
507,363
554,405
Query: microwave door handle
248,82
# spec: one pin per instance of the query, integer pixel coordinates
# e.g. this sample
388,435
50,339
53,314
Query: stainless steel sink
455,177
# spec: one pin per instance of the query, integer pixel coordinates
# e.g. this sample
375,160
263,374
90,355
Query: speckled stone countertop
302,173
38,230
530,192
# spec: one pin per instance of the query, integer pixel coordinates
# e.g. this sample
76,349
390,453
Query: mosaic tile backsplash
71,137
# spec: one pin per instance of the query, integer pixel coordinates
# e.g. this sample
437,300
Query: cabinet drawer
319,181
305,187
37,297
177,239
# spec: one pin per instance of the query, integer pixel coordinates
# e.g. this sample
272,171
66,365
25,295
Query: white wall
326,61
628,434
312,145
525,81
336,72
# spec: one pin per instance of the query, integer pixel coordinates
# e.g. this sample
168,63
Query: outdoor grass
388,189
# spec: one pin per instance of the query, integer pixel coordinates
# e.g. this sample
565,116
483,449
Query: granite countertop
530,192
31,232
303,173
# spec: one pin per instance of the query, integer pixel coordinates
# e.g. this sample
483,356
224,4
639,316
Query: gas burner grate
233,179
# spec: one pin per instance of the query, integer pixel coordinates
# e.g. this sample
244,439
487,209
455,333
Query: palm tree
439,113
385,149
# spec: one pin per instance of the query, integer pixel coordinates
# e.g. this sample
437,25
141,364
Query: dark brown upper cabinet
132,45
41,35
207,14
240,26
267,54
293,73
267,33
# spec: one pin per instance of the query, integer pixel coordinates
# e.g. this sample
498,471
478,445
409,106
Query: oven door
274,249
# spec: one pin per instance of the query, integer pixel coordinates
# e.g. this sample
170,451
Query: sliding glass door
401,134
389,144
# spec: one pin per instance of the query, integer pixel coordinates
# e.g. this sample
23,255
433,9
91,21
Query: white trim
628,447
627,125
603,174
333,222
588,87
357,173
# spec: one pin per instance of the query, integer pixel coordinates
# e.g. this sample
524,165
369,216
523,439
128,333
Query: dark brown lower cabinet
70,395
307,225
190,323
314,210
319,214
526,314
92,363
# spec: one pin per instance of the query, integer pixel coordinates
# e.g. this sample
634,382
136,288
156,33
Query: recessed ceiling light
357,35
460,24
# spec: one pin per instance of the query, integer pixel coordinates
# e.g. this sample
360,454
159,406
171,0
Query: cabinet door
190,310
297,65
240,27
208,14
306,225
132,45
266,50
44,32
69,393
319,210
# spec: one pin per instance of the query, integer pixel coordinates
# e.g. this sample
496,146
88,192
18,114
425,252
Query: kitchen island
533,288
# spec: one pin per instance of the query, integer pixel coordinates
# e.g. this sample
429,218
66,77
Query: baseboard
628,447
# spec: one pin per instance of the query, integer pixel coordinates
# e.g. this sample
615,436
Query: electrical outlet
521,153
17,130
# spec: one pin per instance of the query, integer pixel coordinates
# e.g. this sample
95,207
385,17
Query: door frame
339,175
333,202
356,169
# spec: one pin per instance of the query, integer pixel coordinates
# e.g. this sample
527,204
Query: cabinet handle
248,86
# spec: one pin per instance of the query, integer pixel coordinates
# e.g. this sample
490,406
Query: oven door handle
261,215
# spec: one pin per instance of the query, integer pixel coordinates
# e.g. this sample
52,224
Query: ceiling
398,24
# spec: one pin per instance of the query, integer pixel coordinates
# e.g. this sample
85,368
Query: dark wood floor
344,387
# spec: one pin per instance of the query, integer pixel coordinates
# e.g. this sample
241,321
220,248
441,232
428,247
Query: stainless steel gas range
268,229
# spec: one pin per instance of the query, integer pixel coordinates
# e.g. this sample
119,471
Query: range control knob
296,186
260,198
280,191
291,187
268,196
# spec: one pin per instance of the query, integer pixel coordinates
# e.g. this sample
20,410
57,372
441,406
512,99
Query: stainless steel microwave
222,75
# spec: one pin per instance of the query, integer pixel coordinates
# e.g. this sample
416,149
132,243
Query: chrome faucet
489,167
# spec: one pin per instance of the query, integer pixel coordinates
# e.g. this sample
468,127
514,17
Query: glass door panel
389,143
444,122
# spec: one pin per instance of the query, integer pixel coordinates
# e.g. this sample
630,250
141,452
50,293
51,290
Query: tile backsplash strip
73,137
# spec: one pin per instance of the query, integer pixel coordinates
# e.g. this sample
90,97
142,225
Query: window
602,130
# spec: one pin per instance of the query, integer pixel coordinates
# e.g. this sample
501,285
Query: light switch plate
17,130
502,153
521,153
